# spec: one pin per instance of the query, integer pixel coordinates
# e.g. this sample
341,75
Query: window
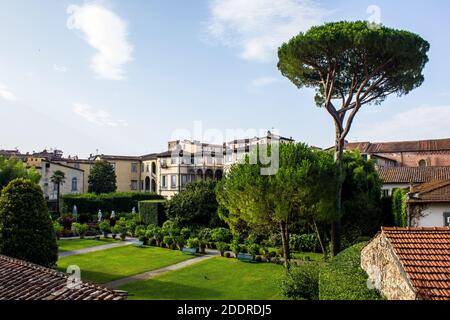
385,193
422,163
173,160
153,168
184,179
134,167
134,185
148,168
447,219
164,182
74,184
76,165
173,181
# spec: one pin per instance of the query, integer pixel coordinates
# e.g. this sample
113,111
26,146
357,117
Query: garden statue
133,211
99,215
112,219
113,214
75,212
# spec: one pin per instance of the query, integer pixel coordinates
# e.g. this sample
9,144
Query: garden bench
245,257
189,250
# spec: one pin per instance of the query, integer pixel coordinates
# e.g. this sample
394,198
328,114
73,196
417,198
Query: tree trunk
285,240
322,247
336,225
57,199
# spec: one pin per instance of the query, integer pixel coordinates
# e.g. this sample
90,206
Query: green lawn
76,244
111,264
216,278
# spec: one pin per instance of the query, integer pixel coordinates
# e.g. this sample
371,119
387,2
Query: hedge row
90,203
152,212
343,278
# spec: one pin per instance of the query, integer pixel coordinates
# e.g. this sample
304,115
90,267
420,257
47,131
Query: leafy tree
102,178
300,188
351,64
14,168
58,178
196,205
26,229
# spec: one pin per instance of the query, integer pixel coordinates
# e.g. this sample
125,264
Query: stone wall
385,271
412,159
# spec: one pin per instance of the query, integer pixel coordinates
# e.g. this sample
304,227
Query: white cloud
425,122
107,33
264,81
98,117
6,94
60,68
259,27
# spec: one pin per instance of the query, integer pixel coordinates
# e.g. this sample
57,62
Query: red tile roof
424,254
413,174
400,146
434,191
20,280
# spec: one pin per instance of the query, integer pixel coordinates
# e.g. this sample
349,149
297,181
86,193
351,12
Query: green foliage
349,52
152,212
168,240
80,229
343,278
196,205
221,235
26,230
235,247
104,226
304,242
399,207
301,282
253,249
102,178
222,247
58,177
14,168
58,228
193,243
361,199
90,203
121,228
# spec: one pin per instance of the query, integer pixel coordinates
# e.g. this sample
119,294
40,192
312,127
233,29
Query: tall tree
26,230
14,168
279,199
352,64
102,178
58,178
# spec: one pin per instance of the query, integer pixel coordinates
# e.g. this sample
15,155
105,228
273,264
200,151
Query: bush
193,243
235,247
90,203
343,278
185,233
104,227
304,242
80,229
152,212
169,240
253,249
205,234
222,247
301,282
169,229
26,230
221,235
399,207
121,228
58,228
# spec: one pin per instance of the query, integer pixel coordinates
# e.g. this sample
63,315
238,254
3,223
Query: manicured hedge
343,278
90,203
152,212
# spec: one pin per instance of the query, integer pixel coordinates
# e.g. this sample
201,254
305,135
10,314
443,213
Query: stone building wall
385,271
412,159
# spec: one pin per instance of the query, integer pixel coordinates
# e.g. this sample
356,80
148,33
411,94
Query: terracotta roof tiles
413,174
400,146
20,280
425,256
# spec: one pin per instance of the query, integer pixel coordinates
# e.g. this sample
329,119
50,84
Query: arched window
422,163
74,184
153,168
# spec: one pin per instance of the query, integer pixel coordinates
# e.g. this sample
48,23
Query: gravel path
94,249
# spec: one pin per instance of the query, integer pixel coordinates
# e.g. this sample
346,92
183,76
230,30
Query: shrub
253,249
399,207
193,243
152,242
80,229
235,247
205,234
141,233
26,230
169,228
222,247
118,201
301,282
104,227
343,278
304,242
121,228
168,240
185,233
152,212
131,227
58,228
180,242
221,235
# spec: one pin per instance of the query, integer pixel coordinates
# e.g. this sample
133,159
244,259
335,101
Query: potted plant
105,228
59,229
121,228
193,243
203,245
80,229
222,247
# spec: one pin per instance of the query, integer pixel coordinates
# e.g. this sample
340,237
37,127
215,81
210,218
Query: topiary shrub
121,228
222,247
26,230
343,278
221,235
105,228
58,228
80,229
301,282
193,243
152,212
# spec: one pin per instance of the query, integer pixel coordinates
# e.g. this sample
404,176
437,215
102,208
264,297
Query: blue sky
124,77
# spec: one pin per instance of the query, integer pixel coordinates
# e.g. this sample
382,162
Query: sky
124,77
